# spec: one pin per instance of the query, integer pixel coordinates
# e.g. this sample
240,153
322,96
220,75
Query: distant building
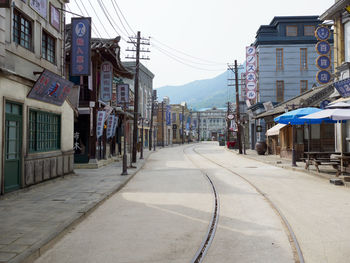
180,116
212,123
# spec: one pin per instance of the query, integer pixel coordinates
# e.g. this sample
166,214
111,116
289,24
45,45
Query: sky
190,39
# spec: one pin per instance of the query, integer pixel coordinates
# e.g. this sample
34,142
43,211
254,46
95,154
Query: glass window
22,30
309,30
48,47
279,59
292,31
347,41
279,90
303,86
44,131
303,59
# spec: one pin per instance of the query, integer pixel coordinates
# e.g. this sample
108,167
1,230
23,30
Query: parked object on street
231,144
261,147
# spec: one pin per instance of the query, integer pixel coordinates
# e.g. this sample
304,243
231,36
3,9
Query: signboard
343,87
323,77
106,81
122,94
51,88
322,33
55,20
168,115
116,119
251,70
40,6
100,122
323,47
110,126
80,50
230,117
323,62
4,3
324,104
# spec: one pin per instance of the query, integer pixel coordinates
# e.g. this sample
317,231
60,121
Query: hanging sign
251,86
40,6
80,50
51,88
323,77
323,47
115,125
251,94
100,122
251,69
343,87
322,33
106,77
110,126
168,115
122,94
323,62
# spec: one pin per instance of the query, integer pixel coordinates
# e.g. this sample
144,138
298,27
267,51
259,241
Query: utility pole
136,86
162,124
182,124
199,120
228,122
151,126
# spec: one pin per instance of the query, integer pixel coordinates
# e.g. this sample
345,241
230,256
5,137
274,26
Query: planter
261,147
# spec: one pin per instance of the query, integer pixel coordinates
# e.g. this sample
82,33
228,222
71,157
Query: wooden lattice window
309,30
48,47
22,30
303,59
279,59
280,90
292,31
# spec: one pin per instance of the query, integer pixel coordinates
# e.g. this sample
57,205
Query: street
163,214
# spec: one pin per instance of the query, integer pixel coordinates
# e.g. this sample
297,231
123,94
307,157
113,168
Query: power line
94,29
115,9
99,19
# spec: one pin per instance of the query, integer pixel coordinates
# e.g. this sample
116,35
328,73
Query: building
36,141
286,62
212,123
164,127
180,114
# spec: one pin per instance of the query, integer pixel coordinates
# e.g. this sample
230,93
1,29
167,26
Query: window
309,30
279,90
174,117
303,86
292,31
279,59
22,30
44,131
303,59
48,47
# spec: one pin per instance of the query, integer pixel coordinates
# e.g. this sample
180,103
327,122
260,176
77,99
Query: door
13,147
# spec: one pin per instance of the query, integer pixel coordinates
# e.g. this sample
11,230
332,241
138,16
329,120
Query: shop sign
251,94
230,117
116,119
322,33
323,47
40,6
110,126
122,94
80,50
343,87
100,123
51,88
324,104
106,76
168,115
323,77
5,3
55,17
323,62
251,70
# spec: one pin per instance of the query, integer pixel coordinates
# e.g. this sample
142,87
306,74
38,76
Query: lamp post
125,158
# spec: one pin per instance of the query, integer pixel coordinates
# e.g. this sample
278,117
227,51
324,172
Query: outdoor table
322,158
346,161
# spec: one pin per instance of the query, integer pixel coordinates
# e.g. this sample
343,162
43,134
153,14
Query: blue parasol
293,117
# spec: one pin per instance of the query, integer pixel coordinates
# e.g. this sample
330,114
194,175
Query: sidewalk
34,218
326,171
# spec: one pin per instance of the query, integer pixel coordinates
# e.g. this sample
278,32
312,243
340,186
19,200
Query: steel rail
297,252
203,249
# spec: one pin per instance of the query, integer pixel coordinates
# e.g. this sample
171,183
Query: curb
42,246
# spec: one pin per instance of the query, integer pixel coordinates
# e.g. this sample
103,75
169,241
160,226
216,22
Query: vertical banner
110,126
323,61
168,115
100,122
115,125
106,78
122,94
80,50
251,68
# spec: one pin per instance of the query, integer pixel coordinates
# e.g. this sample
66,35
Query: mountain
198,94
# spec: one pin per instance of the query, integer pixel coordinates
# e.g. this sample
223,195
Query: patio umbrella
338,114
294,118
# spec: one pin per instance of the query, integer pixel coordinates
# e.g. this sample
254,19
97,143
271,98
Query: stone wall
44,166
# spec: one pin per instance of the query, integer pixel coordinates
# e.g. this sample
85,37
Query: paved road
163,214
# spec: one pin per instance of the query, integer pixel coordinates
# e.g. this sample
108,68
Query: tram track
297,252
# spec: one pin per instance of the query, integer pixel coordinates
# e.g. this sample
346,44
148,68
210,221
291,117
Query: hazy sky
212,33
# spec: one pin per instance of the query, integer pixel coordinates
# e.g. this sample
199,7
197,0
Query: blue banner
80,49
168,115
343,87
180,117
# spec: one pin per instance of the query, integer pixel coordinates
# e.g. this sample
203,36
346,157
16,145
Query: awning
275,130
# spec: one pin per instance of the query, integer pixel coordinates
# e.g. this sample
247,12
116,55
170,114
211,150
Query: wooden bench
317,161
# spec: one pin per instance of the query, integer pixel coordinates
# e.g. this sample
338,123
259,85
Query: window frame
288,33
40,136
301,86
302,66
312,32
48,37
277,86
17,39
279,67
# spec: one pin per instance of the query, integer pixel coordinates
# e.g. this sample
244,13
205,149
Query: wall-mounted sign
343,87
51,88
251,94
324,104
323,47
5,3
40,6
323,77
323,62
122,94
106,77
251,69
322,33
168,115
251,77
80,50
100,123
230,116
55,18
251,85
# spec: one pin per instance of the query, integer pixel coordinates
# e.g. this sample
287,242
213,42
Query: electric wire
126,21
99,19
94,29
121,21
